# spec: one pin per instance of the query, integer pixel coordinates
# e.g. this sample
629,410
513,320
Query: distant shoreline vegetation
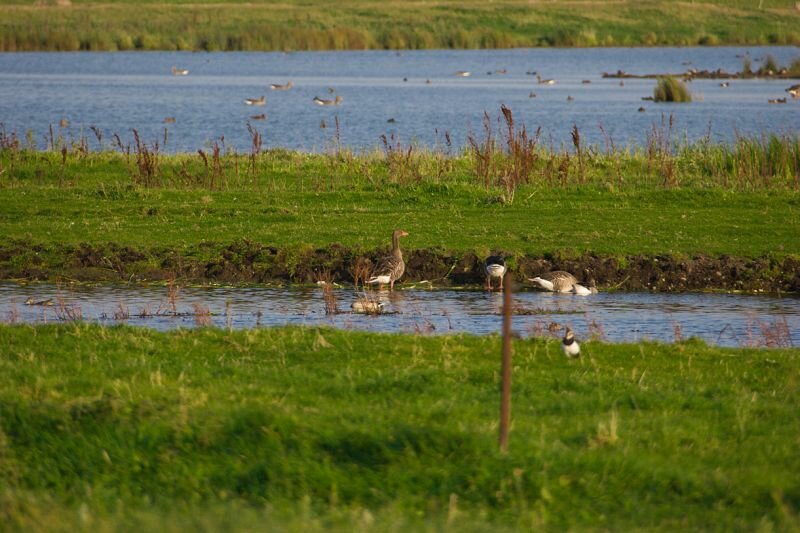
467,24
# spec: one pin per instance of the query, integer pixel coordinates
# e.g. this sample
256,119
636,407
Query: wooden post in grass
505,395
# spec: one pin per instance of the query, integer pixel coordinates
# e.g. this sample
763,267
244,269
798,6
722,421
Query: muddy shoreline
704,74
248,262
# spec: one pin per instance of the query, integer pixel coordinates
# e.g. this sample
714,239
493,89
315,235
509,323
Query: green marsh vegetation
128,428
356,25
506,190
671,89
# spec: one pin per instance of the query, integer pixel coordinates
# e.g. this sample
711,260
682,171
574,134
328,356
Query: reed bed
670,89
504,157
459,24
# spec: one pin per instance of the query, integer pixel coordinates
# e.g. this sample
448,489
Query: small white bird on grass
569,345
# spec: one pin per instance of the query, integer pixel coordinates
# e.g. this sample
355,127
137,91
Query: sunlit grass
357,25
324,428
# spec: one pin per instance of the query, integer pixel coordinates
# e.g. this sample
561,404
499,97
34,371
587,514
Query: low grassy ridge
306,429
145,215
355,24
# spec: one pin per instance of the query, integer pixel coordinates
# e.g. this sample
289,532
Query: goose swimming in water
569,345
540,81
262,116
179,71
794,90
323,101
556,281
367,306
391,267
31,301
256,101
463,73
285,87
495,267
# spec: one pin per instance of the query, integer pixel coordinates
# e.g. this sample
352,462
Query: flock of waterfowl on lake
689,75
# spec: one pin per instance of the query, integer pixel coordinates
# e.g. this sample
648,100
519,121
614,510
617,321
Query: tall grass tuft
670,89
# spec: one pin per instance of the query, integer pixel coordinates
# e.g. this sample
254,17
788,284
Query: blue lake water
722,319
117,92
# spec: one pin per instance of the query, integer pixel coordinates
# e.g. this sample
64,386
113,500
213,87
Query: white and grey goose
495,267
281,87
256,101
582,290
367,306
555,281
325,101
569,345
391,267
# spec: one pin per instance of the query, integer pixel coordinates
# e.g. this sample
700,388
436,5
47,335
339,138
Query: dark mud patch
245,261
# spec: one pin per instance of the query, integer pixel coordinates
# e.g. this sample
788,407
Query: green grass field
742,202
360,24
305,429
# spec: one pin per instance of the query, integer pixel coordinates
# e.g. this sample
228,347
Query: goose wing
392,266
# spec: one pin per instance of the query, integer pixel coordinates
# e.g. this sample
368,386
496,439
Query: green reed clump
670,89
750,163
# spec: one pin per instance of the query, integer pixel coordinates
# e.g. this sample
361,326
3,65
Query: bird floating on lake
169,120
391,267
31,301
323,101
367,306
555,281
463,73
256,101
179,71
262,116
540,81
285,87
495,267
569,345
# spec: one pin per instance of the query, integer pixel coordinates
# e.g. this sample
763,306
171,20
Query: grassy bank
269,428
639,217
358,25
